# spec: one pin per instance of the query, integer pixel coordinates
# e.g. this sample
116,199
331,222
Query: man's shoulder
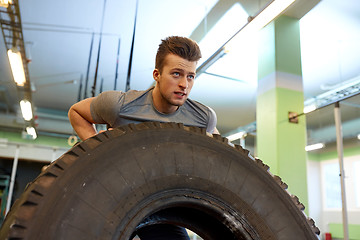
133,95
203,113
127,97
189,103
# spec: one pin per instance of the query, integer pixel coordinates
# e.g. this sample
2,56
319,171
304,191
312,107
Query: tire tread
25,208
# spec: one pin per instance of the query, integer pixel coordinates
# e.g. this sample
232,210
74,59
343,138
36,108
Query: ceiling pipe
99,50
127,86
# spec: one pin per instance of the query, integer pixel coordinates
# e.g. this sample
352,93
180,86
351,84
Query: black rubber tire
112,184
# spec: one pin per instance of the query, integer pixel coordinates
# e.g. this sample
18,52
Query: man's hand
101,131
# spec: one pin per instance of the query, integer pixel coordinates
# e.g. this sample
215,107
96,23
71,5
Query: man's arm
81,119
211,127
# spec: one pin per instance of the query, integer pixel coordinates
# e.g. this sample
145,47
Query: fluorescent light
17,66
31,131
5,3
235,136
210,61
26,110
274,9
314,146
232,20
309,108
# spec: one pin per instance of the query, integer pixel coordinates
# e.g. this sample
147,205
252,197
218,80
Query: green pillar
281,144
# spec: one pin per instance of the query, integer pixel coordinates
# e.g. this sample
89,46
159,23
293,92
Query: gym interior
286,89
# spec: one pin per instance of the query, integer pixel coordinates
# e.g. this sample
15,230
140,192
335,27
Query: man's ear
156,74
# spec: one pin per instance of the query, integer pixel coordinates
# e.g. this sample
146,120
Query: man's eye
176,74
191,77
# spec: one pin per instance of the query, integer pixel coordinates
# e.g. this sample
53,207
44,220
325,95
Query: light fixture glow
17,66
5,3
26,110
236,136
274,9
234,18
314,147
309,108
31,131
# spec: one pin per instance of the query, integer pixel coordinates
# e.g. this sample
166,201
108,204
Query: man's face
174,83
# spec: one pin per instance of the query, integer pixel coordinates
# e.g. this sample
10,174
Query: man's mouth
180,93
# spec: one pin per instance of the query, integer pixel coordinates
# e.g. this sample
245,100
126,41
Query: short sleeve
212,121
106,106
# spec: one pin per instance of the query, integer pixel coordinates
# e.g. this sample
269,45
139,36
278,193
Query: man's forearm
82,127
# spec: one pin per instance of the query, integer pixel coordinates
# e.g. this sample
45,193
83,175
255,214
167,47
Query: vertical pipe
339,144
242,141
88,67
127,86
12,179
98,55
101,85
117,65
80,88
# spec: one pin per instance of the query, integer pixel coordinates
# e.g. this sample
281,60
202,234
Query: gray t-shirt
116,108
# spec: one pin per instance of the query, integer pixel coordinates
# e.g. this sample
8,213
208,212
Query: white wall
31,152
314,193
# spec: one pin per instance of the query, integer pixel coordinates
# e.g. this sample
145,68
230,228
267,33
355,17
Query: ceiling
59,36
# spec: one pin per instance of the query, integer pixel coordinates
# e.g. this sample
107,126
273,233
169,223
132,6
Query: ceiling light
31,131
236,136
274,9
26,110
210,61
17,66
5,3
231,21
309,108
314,147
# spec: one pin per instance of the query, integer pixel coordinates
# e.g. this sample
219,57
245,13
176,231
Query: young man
174,73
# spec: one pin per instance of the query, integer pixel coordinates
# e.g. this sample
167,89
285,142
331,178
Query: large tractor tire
119,181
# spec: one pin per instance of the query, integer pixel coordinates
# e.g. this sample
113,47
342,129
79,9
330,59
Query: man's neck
160,104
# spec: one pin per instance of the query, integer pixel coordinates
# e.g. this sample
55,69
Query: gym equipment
118,181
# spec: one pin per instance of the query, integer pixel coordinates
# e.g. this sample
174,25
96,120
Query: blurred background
76,49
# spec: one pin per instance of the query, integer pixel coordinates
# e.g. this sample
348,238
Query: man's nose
183,83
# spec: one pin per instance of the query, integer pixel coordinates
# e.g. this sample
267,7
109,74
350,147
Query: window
356,171
332,185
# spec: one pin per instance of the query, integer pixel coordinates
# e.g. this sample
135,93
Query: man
175,70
